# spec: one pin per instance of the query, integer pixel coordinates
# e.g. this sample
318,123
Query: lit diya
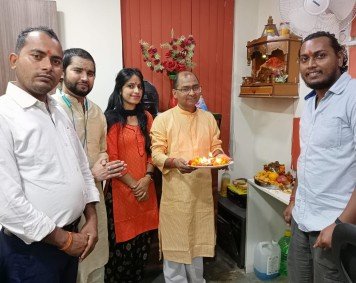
209,161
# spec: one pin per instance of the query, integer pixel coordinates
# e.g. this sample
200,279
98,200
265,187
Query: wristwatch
338,221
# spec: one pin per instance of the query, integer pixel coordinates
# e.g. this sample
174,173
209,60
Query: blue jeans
34,263
307,264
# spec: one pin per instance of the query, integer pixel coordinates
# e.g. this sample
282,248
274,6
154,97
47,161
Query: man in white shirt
327,162
46,183
90,124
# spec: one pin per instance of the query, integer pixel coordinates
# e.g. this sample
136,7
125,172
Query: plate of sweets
210,162
274,176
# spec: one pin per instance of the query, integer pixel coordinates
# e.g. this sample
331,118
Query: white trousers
175,272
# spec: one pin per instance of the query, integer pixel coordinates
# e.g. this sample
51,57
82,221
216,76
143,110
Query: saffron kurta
186,219
91,130
131,217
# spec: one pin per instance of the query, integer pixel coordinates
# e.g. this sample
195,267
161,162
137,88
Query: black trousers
34,263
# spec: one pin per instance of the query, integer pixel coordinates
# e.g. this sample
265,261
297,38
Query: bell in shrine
270,29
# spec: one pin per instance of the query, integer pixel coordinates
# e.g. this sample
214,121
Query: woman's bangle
219,151
292,199
171,163
338,221
149,174
68,243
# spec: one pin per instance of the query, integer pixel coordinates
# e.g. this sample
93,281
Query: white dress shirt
327,161
90,126
44,172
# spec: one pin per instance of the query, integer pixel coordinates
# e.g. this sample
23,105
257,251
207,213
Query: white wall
95,26
261,128
242,138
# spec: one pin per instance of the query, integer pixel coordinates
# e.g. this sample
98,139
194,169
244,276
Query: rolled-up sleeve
16,213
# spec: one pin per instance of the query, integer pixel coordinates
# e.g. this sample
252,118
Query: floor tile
222,269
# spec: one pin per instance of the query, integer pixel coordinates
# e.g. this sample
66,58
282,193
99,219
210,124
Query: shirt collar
73,100
20,96
23,98
310,94
337,88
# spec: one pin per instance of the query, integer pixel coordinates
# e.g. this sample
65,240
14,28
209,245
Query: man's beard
325,84
73,88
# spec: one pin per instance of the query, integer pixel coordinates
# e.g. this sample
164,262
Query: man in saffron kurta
186,220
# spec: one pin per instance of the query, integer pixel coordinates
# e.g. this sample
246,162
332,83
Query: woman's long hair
115,107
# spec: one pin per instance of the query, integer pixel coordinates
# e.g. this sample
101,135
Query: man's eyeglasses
187,89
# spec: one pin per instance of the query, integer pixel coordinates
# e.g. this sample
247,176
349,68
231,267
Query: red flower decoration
170,66
178,57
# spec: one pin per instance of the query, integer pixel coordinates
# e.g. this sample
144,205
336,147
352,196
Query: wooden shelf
277,90
271,96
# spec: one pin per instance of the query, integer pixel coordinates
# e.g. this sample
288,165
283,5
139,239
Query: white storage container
267,258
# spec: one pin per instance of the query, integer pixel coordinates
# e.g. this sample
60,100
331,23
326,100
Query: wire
86,117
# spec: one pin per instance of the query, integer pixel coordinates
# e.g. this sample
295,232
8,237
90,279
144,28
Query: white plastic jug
267,258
